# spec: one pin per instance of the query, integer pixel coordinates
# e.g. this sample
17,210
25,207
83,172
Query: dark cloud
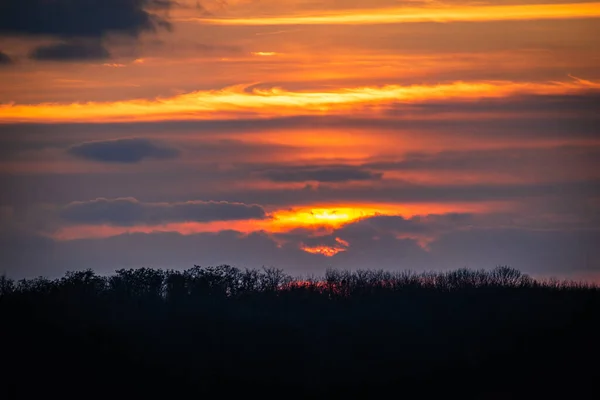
71,51
407,192
457,241
420,226
208,151
81,18
122,150
129,211
382,223
5,59
340,173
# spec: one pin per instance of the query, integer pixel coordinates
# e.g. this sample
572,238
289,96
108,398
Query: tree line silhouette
226,331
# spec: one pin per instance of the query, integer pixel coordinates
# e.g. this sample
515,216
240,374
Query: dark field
220,331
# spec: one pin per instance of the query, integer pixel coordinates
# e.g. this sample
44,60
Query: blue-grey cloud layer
123,150
129,211
71,51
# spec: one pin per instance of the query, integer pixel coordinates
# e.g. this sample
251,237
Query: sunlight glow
264,53
324,217
438,13
273,102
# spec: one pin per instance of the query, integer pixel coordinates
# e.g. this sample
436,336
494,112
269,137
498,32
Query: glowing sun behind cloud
323,217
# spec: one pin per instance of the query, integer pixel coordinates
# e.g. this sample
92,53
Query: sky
300,134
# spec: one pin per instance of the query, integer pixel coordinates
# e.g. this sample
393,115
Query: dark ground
224,332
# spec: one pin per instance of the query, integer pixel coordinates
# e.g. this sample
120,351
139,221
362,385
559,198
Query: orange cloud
264,53
437,13
233,101
327,251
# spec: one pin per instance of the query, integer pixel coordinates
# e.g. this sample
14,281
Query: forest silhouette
222,331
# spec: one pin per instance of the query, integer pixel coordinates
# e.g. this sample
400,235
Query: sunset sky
300,134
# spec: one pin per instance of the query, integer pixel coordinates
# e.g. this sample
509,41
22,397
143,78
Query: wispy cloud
129,211
434,13
233,101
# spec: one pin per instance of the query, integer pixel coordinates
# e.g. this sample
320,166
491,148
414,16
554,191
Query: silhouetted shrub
223,330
